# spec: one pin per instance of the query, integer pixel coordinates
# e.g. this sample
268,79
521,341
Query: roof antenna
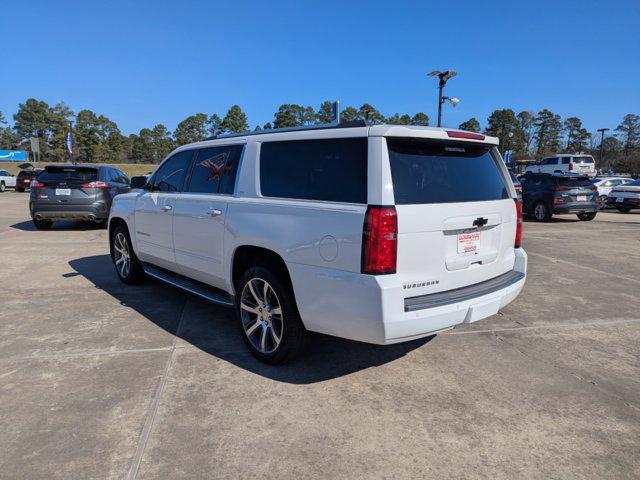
335,112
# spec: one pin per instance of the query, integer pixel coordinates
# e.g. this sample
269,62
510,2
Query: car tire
623,209
586,217
271,337
128,266
541,212
43,224
603,202
3,187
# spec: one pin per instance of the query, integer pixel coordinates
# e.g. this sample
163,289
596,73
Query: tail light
96,185
380,240
36,184
570,166
518,240
467,135
559,189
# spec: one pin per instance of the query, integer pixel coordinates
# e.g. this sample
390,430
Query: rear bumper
95,211
588,207
626,202
374,309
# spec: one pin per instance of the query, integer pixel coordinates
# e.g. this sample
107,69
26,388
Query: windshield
68,175
427,171
635,183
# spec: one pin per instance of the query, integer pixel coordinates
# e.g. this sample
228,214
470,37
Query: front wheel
541,212
3,187
587,217
623,209
268,316
128,267
603,202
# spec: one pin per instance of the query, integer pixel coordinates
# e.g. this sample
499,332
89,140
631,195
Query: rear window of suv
574,182
427,171
68,175
583,160
332,170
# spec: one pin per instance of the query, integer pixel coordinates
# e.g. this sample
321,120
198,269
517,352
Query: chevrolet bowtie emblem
480,222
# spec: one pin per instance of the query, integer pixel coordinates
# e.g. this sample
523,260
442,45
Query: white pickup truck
7,179
375,233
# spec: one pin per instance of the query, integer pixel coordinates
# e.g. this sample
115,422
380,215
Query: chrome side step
195,287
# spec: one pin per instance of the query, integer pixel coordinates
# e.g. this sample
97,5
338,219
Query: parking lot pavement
99,380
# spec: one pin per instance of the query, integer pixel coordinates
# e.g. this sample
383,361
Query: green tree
161,143
8,138
97,138
293,115
471,125
235,121
267,126
142,146
526,132
324,113
420,119
348,114
194,128
577,136
548,132
504,125
32,119
370,114
215,124
629,132
398,119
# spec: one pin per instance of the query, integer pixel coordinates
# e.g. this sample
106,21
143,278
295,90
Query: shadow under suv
75,192
545,194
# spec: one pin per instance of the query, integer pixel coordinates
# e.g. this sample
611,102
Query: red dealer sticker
468,242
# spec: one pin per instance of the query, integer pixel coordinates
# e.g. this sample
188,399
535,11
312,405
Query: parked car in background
565,163
75,192
605,184
380,234
7,180
546,194
625,197
24,179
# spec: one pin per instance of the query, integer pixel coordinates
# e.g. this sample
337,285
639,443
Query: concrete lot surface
99,380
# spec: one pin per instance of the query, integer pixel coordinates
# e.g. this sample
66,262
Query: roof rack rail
323,126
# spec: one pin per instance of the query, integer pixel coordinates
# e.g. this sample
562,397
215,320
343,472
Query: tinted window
68,175
635,183
566,161
4,173
170,176
333,169
215,169
583,160
574,182
430,172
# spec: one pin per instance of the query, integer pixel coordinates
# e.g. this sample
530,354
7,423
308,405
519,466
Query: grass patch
131,169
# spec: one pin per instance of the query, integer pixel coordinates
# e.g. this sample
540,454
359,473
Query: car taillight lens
467,135
35,184
95,185
558,189
571,167
380,240
518,240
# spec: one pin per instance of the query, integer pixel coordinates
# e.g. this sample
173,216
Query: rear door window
426,171
332,170
215,170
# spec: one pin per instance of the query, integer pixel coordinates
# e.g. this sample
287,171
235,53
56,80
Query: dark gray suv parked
75,192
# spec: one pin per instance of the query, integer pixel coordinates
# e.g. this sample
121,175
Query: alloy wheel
540,212
122,256
261,314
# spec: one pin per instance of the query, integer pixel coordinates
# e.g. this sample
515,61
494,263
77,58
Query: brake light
518,240
35,184
570,166
380,240
557,189
96,185
468,135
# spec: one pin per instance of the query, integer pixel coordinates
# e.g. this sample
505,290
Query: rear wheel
603,202
268,316
43,224
128,267
3,187
541,212
622,209
587,217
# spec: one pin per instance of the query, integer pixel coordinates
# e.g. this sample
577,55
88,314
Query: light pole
444,77
602,130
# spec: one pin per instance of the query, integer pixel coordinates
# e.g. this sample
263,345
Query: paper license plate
582,198
468,242
619,200
63,191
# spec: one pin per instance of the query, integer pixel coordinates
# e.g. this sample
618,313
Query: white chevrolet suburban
374,233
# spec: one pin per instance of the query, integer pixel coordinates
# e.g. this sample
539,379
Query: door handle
167,208
215,212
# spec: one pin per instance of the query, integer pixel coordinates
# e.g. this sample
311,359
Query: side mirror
138,182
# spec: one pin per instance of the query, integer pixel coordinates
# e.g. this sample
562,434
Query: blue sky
147,62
